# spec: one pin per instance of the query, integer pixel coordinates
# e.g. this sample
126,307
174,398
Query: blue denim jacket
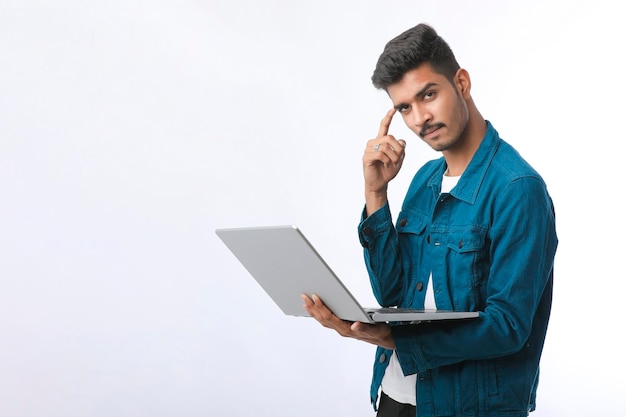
490,245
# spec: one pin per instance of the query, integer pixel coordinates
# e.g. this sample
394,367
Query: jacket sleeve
382,259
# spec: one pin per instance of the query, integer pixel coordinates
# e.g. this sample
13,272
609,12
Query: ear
463,83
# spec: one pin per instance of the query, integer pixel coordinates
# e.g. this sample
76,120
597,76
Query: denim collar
471,179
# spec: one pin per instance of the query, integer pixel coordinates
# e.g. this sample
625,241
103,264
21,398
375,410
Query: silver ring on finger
376,147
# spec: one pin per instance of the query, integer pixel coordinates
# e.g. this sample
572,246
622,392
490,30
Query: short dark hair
412,48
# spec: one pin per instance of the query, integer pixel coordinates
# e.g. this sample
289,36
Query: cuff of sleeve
408,349
375,223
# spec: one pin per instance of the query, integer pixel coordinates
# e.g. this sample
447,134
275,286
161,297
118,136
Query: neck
457,159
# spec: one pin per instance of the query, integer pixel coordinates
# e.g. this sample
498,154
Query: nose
421,116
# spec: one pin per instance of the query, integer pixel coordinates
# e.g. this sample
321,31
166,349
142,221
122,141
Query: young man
476,232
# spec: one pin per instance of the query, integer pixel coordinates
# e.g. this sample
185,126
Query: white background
130,130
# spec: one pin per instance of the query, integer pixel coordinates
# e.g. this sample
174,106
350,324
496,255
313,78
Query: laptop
286,265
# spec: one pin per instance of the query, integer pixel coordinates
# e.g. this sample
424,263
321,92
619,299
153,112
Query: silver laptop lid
286,265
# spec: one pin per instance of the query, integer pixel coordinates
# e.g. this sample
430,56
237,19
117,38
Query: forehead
414,82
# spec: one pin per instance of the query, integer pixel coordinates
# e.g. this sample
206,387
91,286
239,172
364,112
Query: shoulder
510,166
429,169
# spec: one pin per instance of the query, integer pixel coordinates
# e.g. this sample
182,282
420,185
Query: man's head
409,50
428,88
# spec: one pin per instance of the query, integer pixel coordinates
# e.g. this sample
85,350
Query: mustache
430,128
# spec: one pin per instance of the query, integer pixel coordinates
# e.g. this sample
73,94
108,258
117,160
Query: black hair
412,48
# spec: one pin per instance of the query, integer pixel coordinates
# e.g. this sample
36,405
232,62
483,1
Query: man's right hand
378,334
382,161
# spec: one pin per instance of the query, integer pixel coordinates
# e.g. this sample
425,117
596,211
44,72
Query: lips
429,130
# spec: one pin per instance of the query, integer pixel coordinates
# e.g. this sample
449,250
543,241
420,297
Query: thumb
402,142
356,326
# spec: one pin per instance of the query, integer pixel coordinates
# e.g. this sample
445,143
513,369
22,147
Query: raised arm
382,161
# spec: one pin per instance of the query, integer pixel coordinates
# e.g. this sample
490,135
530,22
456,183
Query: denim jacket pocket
468,265
410,222
411,230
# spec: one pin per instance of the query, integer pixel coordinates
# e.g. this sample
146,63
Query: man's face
431,106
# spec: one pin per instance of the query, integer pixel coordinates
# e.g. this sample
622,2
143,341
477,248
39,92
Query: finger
396,145
315,310
356,326
378,334
328,319
385,123
326,314
318,303
308,304
306,299
390,152
322,313
363,330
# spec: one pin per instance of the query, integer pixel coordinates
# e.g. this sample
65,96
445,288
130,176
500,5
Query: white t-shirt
397,386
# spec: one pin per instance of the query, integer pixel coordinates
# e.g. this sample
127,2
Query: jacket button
403,222
461,244
382,358
419,286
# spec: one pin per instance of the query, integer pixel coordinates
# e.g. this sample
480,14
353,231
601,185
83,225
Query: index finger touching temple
385,123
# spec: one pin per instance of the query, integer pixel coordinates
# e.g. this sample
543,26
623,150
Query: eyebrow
418,94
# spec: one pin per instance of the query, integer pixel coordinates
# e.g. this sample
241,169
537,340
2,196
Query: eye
403,108
429,95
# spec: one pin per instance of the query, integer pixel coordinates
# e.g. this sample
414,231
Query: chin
438,144
442,147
